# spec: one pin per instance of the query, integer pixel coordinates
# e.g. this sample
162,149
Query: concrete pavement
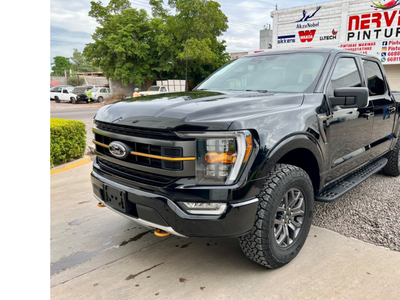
97,254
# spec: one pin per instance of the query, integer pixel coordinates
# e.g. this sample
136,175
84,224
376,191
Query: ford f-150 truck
249,150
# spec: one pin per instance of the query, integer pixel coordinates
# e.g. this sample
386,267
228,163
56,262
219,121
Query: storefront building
364,26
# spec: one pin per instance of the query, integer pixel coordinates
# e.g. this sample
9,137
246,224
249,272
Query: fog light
204,208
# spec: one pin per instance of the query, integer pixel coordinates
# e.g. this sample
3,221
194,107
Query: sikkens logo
385,4
307,35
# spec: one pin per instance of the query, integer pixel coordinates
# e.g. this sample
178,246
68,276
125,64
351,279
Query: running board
351,181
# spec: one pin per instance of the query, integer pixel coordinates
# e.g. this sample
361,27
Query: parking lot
97,254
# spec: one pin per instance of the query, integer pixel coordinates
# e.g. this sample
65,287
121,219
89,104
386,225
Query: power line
266,3
246,6
258,25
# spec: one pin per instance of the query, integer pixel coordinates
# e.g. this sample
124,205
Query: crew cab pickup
64,94
155,89
248,151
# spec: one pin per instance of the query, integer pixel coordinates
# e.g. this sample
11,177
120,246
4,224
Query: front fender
267,158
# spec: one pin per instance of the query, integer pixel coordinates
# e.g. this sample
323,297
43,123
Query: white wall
393,75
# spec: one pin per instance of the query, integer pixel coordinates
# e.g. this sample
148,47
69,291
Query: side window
163,89
102,90
376,84
345,75
109,91
65,91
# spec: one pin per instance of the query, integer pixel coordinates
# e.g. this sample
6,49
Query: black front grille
135,131
173,152
135,175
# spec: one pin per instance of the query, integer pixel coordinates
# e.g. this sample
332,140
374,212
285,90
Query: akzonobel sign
371,27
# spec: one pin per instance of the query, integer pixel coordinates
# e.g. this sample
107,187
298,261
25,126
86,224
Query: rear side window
345,75
376,84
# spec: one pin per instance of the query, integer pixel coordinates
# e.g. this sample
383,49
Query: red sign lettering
380,19
307,35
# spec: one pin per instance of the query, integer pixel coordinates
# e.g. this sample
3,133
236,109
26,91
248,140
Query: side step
345,185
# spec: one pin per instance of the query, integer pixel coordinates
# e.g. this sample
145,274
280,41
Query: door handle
368,115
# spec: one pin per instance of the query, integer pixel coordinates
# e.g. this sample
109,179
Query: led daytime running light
225,158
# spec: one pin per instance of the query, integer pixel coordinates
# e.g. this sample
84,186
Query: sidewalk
97,254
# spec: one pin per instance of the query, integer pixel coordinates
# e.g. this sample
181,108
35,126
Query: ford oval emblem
118,149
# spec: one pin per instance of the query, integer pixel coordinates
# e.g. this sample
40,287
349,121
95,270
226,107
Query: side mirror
350,97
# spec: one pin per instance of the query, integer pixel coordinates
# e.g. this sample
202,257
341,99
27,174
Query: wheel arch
299,150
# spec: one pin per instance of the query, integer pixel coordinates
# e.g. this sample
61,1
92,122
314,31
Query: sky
71,27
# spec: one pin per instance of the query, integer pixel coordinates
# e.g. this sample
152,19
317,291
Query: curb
71,165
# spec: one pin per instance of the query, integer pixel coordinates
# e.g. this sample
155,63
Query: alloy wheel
289,218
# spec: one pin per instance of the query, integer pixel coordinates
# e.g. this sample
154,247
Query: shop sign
377,25
284,39
385,4
307,35
329,37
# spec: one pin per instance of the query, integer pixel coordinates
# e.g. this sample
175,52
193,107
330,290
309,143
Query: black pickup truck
248,151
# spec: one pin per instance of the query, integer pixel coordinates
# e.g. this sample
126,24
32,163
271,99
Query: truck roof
308,50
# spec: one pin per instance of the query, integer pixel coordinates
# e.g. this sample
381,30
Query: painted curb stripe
71,165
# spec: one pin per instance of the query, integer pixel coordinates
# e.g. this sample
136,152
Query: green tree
122,42
81,64
191,33
60,64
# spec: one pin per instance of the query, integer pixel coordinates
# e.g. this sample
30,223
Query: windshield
277,73
153,89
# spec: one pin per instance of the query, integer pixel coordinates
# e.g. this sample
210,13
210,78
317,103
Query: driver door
350,129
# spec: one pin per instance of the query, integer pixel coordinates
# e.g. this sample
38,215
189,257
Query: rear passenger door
350,129
384,106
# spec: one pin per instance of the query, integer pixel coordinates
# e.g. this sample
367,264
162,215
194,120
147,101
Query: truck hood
199,110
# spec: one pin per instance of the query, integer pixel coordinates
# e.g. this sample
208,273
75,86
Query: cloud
71,27
64,41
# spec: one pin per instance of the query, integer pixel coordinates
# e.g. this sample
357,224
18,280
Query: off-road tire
56,99
260,244
100,99
73,100
392,167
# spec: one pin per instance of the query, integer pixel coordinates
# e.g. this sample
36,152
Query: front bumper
154,210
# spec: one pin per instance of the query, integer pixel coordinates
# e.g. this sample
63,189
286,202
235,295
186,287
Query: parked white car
65,95
100,93
57,89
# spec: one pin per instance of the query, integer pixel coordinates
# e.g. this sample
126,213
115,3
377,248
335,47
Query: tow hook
161,233
100,205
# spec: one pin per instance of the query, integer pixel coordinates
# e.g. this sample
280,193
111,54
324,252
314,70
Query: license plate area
115,198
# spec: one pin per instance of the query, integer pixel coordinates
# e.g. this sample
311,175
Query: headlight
220,156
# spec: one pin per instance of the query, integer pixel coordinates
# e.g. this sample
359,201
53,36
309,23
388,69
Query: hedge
67,140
